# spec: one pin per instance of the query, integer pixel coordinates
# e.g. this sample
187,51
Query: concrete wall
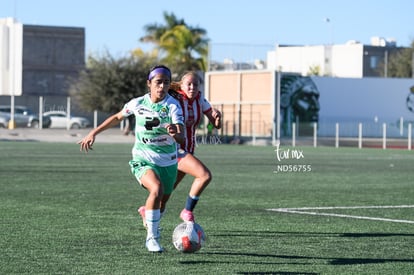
51,56
247,100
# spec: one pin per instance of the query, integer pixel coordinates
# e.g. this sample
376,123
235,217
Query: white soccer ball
188,237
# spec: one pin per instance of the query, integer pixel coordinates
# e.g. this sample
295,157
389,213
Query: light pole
328,21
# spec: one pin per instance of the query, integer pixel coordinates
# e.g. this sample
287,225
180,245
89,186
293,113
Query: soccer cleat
141,212
153,245
187,215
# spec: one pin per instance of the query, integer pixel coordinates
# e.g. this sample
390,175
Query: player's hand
217,118
171,129
176,132
86,143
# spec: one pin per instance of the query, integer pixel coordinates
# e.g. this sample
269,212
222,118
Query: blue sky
247,28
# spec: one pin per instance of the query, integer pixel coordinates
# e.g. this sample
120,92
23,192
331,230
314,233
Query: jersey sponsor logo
151,122
154,140
143,111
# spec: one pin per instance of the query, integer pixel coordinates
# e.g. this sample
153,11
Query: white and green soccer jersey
152,142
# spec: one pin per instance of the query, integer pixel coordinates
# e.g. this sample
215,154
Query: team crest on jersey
163,112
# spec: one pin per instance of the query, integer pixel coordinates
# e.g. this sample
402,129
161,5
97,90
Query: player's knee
156,194
206,176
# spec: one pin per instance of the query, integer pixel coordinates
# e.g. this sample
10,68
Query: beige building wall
246,100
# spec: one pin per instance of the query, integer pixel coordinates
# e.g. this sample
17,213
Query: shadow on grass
260,234
261,263
277,273
333,261
374,235
306,260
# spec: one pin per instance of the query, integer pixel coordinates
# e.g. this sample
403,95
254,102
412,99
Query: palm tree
155,31
178,43
182,48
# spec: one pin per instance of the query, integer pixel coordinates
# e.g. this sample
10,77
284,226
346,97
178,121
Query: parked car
59,119
4,121
23,117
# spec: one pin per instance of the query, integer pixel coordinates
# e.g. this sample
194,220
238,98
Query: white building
11,41
352,60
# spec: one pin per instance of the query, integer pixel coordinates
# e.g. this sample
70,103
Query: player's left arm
214,116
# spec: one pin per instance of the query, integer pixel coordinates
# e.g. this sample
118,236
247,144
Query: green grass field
65,212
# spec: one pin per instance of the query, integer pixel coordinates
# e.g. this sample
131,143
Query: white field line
305,211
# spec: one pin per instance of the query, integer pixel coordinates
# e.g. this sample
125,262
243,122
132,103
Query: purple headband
159,71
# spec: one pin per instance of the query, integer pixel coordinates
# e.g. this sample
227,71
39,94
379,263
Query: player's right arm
87,142
177,132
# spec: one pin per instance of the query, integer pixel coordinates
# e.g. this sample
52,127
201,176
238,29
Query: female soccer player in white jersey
158,129
194,106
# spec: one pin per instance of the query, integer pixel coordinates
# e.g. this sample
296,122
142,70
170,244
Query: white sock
152,218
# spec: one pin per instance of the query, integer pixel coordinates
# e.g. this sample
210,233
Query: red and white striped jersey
193,111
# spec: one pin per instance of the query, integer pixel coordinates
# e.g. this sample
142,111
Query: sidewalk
114,135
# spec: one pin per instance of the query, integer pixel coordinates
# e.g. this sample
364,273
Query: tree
400,63
155,31
181,46
107,83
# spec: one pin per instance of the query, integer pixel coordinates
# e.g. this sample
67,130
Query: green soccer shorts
167,175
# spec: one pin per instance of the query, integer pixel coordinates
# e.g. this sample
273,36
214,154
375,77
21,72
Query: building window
374,62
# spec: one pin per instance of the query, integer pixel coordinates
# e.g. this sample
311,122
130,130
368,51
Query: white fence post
293,134
40,112
337,135
315,130
409,136
68,109
360,135
95,119
384,136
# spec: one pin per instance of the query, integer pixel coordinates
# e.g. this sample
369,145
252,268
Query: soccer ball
188,237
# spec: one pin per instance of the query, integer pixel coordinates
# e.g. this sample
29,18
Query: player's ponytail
175,86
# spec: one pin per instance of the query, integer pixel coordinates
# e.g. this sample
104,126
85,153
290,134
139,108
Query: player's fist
171,129
217,118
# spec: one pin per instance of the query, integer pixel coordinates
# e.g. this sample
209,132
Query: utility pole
412,64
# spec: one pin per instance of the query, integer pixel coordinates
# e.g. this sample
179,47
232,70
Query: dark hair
162,68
